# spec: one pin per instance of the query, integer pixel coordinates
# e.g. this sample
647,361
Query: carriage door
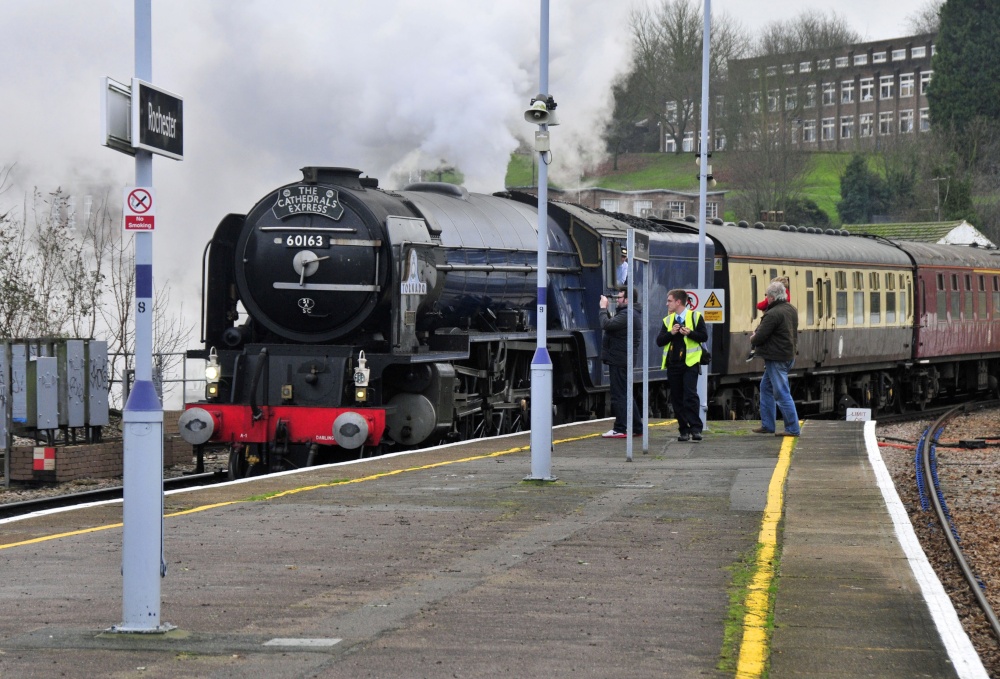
825,320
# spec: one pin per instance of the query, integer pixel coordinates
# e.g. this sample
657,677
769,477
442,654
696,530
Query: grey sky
386,86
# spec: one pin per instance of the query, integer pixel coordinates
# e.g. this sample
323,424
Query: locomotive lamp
361,379
212,373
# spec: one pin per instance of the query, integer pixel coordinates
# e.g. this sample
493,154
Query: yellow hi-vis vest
692,349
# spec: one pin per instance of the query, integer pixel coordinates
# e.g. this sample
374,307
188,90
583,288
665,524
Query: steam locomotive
340,320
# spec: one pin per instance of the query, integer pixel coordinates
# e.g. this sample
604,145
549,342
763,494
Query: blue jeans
774,391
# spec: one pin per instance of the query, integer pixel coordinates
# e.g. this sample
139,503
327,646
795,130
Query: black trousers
619,406
684,397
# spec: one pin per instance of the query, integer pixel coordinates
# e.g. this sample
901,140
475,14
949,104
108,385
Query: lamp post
937,182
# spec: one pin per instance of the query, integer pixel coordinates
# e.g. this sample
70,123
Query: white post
703,191
143,563
541,362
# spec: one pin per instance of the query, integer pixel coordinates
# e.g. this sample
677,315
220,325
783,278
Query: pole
541,363
143,563
703,189
630,338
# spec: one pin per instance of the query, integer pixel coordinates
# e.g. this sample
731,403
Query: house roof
924,232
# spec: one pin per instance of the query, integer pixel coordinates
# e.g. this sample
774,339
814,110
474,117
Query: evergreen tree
966,82
863,192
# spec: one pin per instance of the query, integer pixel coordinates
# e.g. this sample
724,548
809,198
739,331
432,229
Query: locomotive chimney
347,177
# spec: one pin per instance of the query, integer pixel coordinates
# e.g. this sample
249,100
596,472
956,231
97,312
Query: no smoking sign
139,208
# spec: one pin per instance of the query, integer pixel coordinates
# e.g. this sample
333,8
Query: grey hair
776,292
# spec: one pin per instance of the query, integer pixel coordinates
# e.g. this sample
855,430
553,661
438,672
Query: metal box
72,383
97,383
43,393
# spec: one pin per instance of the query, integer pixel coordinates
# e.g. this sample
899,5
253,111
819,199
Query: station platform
447,563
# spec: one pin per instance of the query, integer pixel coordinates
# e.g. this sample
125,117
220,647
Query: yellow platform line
754,646
293,491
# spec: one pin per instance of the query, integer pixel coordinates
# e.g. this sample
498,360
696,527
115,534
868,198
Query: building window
925,120
899,55
788,69
609,204
809,131
885,122
772,70
925,80
841,62
810,97
711,210
755,102
918,52
640,208
772,100
829,94
805,67
676,208
846,127
791,98
720,105
720,140
754,73
688,144
867,89
823,65
906,121
885,86
906,85
671,111
847,92
867,124
878,58
669,145
827,133
860,59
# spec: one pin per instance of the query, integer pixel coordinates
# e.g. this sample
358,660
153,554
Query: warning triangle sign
713,302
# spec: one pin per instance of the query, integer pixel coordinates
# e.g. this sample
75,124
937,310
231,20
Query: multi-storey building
831,100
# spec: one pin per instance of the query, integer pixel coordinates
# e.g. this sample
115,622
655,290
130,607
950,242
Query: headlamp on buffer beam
361,379
212,373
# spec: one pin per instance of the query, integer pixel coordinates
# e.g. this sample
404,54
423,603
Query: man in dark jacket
614,352
681,336
775,341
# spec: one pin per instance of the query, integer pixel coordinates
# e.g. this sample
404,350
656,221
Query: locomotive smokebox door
308,262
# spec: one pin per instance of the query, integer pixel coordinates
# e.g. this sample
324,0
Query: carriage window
956,298
942,301
859,308
890,307
968,298
753,296
810,316
903,292
875,318
996,296
809,279
981,302
774,274
841,308
819,300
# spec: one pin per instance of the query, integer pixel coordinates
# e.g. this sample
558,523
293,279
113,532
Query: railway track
14,509
946,468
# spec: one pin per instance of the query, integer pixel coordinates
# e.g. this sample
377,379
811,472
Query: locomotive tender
341,319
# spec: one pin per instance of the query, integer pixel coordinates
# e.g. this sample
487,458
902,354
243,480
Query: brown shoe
786,433
761,430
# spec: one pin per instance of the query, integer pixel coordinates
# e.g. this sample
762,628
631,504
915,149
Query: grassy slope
671,171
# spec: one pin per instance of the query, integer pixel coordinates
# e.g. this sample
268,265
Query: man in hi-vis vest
681,336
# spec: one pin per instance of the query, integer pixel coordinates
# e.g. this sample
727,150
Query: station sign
157,120
711,302
138,208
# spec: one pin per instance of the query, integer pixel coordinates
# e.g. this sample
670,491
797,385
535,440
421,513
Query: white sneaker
612,434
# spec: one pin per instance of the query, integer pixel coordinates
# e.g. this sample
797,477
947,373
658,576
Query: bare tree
667,55
927,19
766,167
810,30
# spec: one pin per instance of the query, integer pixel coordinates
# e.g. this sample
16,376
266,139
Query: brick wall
93,461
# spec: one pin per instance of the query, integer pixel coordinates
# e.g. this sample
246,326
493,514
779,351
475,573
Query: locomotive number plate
306,240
